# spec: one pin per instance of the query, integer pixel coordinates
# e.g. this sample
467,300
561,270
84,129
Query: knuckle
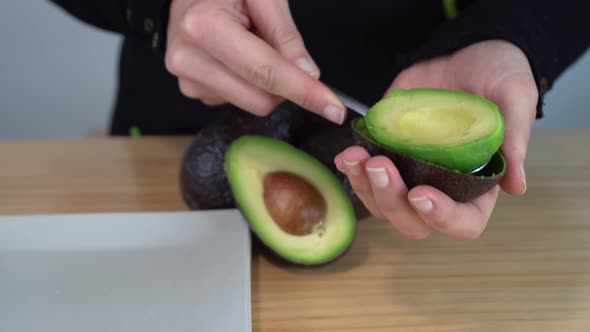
263,76
364,192
441,224
305,99
522,88
174,60
375,212
285,36
188,89
531,92
262,106
212,101
416,234
194,24
471,235
527,86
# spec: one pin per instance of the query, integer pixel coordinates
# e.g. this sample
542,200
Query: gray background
57,76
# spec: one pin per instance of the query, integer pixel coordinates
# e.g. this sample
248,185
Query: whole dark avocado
285,123
461,187
203,182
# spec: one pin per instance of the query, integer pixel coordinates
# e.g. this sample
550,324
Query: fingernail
523,177
334,113
353,167
378,177
307,65
422,204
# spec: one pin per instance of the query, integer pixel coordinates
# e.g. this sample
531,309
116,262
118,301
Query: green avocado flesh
461,187
452,129
249,160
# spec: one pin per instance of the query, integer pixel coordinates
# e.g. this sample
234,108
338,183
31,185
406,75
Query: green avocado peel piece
452,129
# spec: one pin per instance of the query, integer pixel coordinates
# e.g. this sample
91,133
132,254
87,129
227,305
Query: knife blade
350,102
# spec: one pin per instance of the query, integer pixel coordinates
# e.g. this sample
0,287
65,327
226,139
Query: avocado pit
294,204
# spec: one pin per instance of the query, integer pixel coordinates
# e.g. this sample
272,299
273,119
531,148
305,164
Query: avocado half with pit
443,138
293,203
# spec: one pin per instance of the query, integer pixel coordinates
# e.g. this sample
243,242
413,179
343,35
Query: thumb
518,106
273,20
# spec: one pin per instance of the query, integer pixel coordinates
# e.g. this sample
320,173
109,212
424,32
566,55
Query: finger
390,193
517,98
461,221
244,53
275,24
424,74
213,100
198,91
191,89
194,65
351,162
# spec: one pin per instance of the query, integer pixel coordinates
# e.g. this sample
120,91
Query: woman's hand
245,52
495,69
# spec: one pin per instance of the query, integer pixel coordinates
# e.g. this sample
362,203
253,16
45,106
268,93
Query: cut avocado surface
461,187
293,203
452,129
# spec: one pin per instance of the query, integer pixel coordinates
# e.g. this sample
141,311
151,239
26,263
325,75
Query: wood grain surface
530,271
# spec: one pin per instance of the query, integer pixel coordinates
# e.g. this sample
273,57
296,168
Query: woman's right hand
245,52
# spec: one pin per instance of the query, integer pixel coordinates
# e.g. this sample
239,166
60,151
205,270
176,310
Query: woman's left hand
495,69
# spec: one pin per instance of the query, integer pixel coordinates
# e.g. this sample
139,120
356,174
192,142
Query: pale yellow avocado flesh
453,129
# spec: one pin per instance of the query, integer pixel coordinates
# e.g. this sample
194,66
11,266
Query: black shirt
359,46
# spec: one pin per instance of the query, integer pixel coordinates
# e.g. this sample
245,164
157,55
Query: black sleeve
145,20
553,34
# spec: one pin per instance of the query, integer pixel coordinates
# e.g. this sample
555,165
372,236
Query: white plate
168,271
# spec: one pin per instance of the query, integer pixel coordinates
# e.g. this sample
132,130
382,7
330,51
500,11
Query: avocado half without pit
293,203
442,138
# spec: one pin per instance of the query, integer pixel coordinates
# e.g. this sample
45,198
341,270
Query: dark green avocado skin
203,185
459,186
203,182
324,145
285,123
